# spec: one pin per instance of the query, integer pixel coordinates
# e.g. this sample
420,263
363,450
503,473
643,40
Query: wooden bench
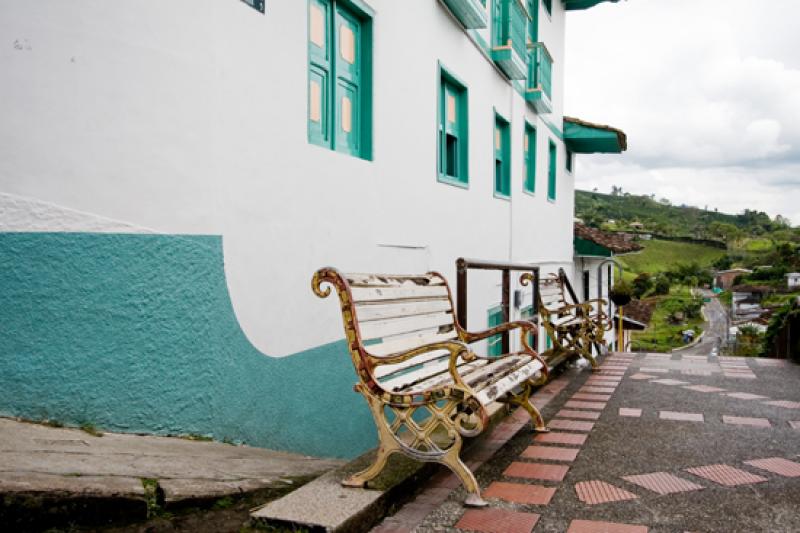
574,327
425,387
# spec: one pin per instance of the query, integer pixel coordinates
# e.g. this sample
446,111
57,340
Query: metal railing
540,68
462,269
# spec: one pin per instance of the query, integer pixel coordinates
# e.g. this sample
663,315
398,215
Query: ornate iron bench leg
387,445
454,463
523,400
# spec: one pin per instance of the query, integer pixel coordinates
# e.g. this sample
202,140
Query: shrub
661,285
642,284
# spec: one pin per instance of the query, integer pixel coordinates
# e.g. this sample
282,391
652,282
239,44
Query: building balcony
540,78
470,13
510,32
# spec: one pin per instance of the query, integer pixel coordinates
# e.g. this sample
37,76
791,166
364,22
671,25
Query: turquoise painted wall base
137,333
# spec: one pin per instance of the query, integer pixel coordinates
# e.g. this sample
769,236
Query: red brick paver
497,521
630,411
777,465
556,437
570,425
602,390
745,421
784,403
585,415
575,404
592,397
682,417
591,526
541,471
594,492
551,453
518,493
662,483
726,475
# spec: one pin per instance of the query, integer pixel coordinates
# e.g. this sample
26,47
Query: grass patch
91,430
197,437
660,256
662,334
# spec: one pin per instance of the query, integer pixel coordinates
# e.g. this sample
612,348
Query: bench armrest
502,328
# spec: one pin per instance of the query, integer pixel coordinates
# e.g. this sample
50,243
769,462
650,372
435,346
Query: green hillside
661,256
617,211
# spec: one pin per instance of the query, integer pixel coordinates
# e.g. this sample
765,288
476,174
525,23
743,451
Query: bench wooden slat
378,329
382,310
386,371
412,292
434,371
509,382
385,280
399,345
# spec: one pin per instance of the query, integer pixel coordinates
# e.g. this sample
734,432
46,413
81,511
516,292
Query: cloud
707,93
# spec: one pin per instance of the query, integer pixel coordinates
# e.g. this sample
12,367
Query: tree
641,284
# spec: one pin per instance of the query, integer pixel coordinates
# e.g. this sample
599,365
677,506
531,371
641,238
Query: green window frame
258,5
551,170
568,160
340,76
495,342
529,157
453,130
502,157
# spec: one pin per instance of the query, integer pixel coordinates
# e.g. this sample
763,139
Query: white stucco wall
189,117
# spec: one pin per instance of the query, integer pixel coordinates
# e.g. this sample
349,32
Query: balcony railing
510,28
540,78
471,13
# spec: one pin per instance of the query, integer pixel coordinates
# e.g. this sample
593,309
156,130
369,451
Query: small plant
621,293
197,436
223,503
151,496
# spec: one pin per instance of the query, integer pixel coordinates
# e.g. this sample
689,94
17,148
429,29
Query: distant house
724,278
746,301
636,226
793,280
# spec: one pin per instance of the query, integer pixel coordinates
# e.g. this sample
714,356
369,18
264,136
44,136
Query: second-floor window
453,154
529,155
340,77
502,157
551,171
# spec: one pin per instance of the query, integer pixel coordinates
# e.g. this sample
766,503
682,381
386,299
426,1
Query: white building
172,173
793,280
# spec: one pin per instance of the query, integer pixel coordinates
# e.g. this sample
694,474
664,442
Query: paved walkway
36,459
715,328
657,442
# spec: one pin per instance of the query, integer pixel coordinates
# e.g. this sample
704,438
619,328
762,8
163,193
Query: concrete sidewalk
41,465
658,443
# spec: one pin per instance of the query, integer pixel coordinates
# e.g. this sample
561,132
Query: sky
708,92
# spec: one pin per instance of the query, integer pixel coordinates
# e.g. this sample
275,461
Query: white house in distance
172,174
793,280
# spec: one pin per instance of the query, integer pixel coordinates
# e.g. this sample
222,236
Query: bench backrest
387,314
552,296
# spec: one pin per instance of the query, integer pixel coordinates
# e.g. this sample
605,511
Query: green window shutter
533,23
453,164
502,157
339,77
495,342
255,4
551,171
530,158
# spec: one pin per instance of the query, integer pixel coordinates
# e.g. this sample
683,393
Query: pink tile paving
746,421
594,492
556,437
726,475
703,388
540,471
575,404
654,370
784,403
695,372
570,425
795,424
550,453
777,465
592,526
681,417
662,483
519,493
671,382
745,396
592,397
497,521
629,411
583,415
639,376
